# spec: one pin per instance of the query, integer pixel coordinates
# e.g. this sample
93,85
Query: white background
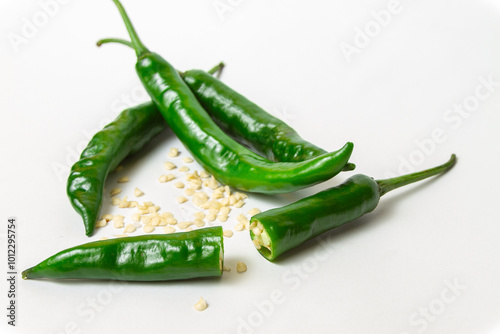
392,271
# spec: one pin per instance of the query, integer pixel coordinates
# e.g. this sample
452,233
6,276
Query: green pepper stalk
276,231
157,257
219,154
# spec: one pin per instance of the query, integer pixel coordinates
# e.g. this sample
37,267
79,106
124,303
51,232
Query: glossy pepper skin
157,257
220,155
279,230
248,123
127,134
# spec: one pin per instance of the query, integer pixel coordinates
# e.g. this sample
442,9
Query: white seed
181,199
118,223
199,215
227,233
179,185
228,269
104,238
154,209
166,214
227,191
121,235
222,218
115,201
206,183
253,212
184,225
168,229
171,221
123,204
162,179
148,204
138,192
210,217
130,228
173,152
155,221
241,196
184,169
241,267
189,192
115,191
204,174
189,229
213,211
101,223
118,218
256,231
133,204
187,160
239,227
195,184
256,244
224,202
232,200
108,217
200,198
225,210
169,165
136,217
163,222
146,219
217,194
148,228
239,204
199,222
241,219
124,179
201,305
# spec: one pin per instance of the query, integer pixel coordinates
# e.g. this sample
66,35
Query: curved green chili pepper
249,123
220,155
279,230
127,134
245,121
157,257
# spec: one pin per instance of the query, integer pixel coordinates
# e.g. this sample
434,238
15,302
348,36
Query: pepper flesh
282,229
220,155
126,135
159,257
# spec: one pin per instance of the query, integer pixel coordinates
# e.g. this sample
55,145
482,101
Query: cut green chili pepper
127,134
157,257
279,230
220,155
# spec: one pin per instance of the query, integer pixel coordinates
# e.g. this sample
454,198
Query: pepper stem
140,49
391,184
115,40
217,70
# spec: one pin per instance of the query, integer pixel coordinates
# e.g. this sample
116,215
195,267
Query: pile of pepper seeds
211,202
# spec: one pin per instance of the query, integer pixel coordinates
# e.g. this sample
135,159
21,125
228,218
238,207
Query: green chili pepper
157,257
127,134
220,155
279,230
248,122
245,121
